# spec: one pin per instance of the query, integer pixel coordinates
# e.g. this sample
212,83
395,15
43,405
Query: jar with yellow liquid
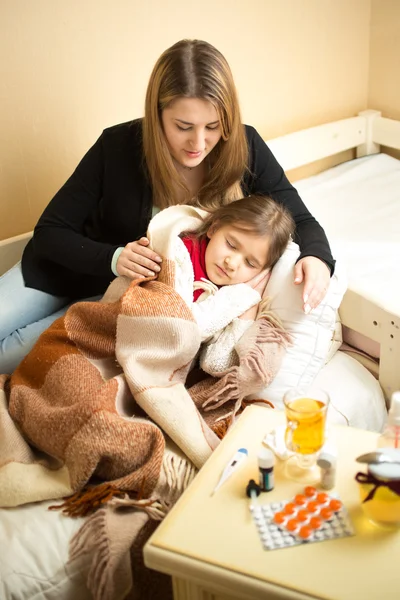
380,491
305,411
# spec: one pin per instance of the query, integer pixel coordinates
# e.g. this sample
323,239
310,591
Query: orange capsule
305,533
292,525
322,498
310,491
315,523
326,513
300,500
279,518
335,504
302,516
289,509
312,507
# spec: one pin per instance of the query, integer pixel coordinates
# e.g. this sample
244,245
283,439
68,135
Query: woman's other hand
137,260
316,276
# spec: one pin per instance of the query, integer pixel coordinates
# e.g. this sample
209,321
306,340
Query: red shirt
197,252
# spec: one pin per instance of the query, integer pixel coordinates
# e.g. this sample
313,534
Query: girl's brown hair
195,69
258,215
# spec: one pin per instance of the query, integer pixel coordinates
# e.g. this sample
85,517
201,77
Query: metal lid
388,470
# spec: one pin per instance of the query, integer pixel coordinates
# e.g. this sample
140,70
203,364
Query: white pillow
315,336
356,398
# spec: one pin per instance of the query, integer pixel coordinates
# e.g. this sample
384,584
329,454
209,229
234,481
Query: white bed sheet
34,555
358,205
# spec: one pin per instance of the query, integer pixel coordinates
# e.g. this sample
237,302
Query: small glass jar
380,492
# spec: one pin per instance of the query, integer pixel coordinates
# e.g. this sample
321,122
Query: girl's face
234,255
191,129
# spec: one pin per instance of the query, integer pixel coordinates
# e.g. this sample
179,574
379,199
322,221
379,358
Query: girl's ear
212,229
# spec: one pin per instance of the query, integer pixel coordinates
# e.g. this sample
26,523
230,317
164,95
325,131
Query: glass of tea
305,431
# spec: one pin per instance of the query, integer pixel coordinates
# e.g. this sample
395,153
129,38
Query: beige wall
69,69
384,74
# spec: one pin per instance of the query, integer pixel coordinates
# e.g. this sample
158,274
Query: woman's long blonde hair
194,69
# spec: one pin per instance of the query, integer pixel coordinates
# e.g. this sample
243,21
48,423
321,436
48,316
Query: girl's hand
316,276
137,261
258,283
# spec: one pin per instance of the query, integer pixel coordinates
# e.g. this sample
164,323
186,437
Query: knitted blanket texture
99,410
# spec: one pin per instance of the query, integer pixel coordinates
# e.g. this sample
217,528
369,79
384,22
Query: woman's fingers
137,260
316,276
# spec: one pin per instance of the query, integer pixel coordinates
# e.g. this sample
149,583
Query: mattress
358,205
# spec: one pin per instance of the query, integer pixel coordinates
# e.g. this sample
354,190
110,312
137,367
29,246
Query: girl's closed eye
250,264
183,128
230,244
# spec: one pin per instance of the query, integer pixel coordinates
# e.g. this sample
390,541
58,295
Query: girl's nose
230,263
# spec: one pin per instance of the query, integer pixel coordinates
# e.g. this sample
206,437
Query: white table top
213,538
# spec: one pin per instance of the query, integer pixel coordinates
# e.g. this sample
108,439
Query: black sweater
107,202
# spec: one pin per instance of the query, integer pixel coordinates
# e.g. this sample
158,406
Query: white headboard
366,132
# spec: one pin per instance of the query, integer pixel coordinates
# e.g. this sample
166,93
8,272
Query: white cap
394,411
266,459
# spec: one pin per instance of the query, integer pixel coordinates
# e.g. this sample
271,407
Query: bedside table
211,548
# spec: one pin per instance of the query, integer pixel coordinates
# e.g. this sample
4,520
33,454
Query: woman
191,147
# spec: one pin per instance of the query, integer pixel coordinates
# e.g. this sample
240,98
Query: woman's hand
258,283
316,276
137,260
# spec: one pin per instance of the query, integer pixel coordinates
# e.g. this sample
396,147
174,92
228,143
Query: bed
368,241
372,310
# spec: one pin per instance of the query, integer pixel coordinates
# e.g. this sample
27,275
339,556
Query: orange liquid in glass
305,432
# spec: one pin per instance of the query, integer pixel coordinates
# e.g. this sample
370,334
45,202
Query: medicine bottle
266,461
390,437
327,464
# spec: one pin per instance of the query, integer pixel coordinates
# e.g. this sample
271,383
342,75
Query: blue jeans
24,314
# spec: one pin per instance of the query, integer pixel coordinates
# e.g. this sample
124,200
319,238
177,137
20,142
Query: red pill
315,523
300,500
326,513
302,516
305,533
335,504
292,525
322,498
279,518
289,509
312,507
310,491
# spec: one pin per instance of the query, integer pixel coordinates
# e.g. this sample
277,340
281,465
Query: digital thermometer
231,467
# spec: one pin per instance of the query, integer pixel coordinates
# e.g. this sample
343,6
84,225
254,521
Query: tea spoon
377,457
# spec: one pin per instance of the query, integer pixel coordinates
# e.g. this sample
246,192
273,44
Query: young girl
234,249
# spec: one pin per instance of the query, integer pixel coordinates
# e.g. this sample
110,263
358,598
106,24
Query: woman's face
191,127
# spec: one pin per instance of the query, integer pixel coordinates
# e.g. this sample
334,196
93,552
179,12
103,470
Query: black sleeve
267,177
59,235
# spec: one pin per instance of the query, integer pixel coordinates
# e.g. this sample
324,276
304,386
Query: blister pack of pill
312,516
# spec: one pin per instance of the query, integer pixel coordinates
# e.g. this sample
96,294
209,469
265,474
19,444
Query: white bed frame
366,133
